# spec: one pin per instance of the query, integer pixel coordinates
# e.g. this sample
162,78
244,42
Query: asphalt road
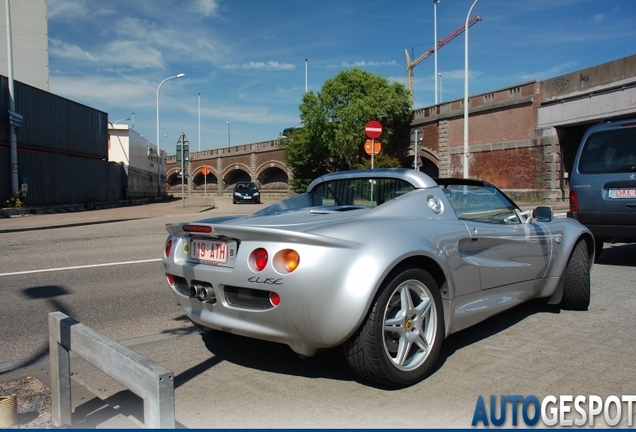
107,276
123,300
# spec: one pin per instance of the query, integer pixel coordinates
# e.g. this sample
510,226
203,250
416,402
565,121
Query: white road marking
80,267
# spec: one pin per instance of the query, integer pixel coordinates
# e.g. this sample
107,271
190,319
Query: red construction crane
411,64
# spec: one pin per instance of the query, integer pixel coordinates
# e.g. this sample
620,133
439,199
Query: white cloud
551,72
99,92
64,9
273,65
598,18
131,53
65,50
363,63
207,7
118,53
172,42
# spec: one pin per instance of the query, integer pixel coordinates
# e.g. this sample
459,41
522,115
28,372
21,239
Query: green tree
332,134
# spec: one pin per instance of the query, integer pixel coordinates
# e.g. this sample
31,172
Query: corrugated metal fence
55,178
62,150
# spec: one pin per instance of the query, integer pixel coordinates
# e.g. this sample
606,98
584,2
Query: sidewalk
67,216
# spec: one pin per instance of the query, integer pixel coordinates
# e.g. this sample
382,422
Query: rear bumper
247,199
610,226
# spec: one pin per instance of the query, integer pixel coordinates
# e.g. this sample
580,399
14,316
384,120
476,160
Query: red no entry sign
373,129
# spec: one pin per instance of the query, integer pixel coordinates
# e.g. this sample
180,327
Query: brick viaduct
522,138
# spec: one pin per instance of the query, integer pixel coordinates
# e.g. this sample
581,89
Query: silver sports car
385,263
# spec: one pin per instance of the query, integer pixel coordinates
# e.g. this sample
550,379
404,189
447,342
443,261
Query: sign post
205,171
373,129
415,140
183,156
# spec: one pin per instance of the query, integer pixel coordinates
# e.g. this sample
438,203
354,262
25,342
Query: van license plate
622,193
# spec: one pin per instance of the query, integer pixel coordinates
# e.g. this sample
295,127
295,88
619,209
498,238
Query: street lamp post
439,75
306,63
465,161
199,121
435,3
158,144
124,119
12,131
228,134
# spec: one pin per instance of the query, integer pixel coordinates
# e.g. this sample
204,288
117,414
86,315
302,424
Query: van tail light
574,202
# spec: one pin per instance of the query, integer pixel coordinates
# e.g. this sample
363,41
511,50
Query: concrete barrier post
60,371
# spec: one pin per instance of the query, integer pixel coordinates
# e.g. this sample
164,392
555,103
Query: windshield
610,151
344,194
368,192
245,186
480,202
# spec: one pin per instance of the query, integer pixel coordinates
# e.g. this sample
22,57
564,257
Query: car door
508,253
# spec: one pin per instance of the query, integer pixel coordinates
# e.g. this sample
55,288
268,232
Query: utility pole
13,136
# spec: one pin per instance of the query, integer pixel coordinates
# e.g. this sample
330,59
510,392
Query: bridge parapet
243,149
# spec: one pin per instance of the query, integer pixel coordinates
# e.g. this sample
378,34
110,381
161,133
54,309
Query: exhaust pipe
195,291
207,294
203,293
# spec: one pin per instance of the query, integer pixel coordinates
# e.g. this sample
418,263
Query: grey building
29,28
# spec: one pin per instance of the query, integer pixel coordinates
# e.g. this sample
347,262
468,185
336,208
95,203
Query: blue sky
247,57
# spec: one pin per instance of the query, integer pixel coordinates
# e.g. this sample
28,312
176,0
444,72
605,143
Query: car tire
598,248
576,283
409,302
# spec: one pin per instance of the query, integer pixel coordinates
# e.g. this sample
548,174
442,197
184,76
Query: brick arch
172,171
201,182
197,170
272,164
430,155
172,179
273,175
239,166
229,182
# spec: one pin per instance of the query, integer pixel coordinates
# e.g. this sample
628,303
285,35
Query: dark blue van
603,182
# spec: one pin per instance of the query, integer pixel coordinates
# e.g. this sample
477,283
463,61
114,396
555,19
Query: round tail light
258,259
286,261
274,298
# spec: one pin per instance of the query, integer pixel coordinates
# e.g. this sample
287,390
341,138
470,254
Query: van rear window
611,151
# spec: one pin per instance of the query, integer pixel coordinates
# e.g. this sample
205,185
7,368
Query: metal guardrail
147,379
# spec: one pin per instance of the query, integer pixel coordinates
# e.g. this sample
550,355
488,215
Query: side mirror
543,214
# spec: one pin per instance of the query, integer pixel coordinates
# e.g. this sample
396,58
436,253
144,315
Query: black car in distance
246,192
